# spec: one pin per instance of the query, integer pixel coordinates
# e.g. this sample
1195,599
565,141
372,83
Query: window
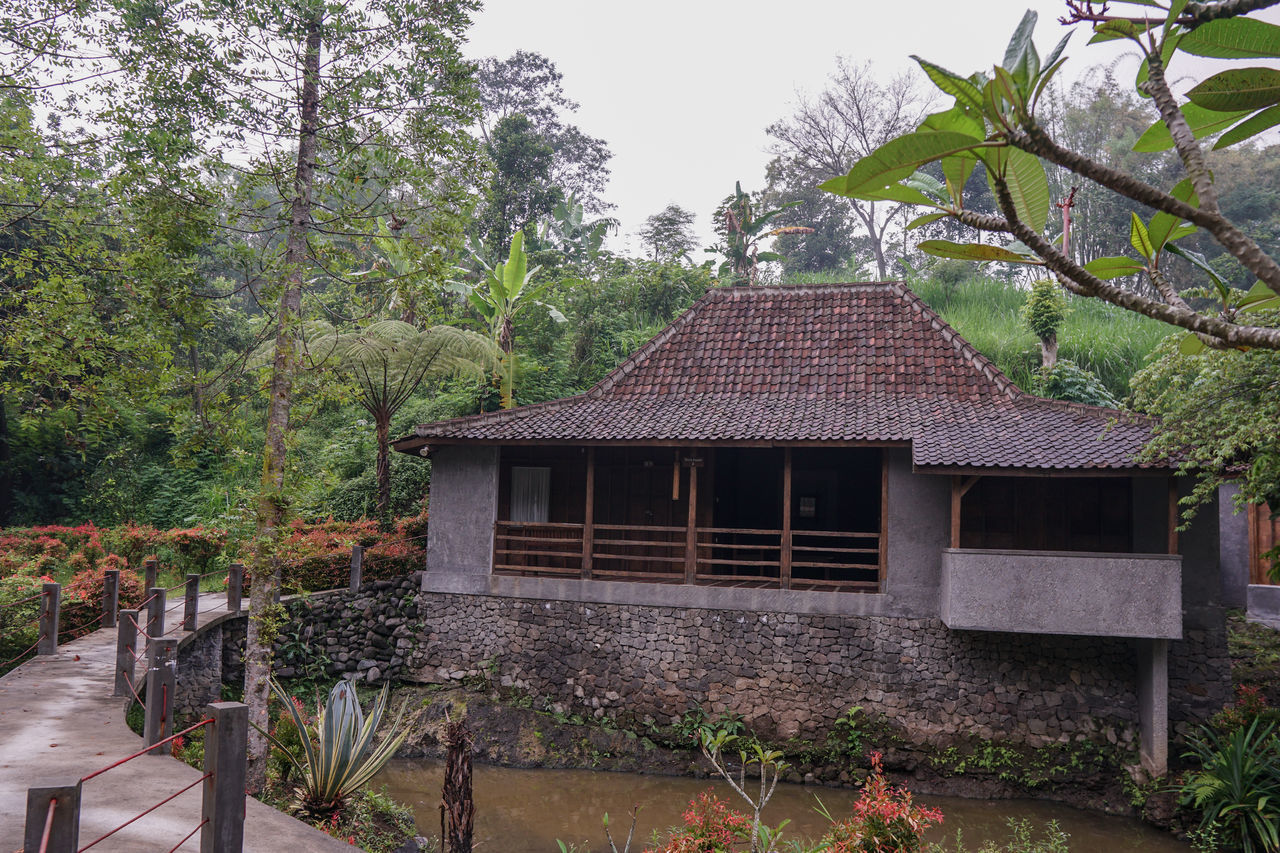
530,495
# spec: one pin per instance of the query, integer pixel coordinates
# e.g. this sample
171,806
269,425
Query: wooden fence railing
722,556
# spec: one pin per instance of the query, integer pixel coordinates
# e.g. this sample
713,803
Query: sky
682,91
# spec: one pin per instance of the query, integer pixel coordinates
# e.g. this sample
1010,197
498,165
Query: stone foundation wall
789,675
213,657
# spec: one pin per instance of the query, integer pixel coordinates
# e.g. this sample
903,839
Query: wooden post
191,602
588,517
161,681
50,601
155,617
1173,516
357,566
884,519
225,753
110,597
235,587
784,556
126,652
151,572
53,818
956,495
691,523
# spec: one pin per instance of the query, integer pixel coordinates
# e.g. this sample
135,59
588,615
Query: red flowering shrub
19,609
131,541
82,596
885,820
1250,705
710,826
195,547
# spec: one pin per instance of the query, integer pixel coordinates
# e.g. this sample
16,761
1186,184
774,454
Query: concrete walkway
59,723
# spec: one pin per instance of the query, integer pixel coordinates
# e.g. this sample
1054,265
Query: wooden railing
722,556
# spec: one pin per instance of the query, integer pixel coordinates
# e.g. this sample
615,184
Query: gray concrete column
1153,705
50,602
225,754
235,587
191,602
464,507
162,682
110,597
1233,547
126,652
55,810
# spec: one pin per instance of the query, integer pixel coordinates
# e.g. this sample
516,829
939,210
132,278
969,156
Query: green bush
1237,788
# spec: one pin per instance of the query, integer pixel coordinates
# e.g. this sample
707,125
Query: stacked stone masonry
789,675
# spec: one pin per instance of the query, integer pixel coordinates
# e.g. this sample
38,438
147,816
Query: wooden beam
675,477
969,483
1173,516
691,524
956,495
784,560
884,519
588,515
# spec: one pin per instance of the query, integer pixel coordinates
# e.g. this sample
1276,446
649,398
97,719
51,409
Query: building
838,459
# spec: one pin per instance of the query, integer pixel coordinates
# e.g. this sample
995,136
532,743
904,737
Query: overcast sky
682,91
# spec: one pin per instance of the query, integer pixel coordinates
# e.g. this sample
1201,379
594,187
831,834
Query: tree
669,233
388,361
340,97
834,242
742,228
528,84
852,117
501,297
521,190
994,120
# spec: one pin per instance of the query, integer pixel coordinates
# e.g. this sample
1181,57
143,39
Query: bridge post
151,571
161,682
357,566
126,652
225,756
50,600
110,597
191,603
155,616
53,818
235,587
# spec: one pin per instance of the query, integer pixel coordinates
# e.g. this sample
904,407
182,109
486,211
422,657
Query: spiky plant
338,755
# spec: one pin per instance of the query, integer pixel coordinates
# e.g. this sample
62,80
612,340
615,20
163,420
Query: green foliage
742,229
885,818
848,731
1218,413
1068,381
1045,309
1022,839
343,757
1237,788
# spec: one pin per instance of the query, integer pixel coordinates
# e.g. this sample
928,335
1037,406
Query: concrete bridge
59,723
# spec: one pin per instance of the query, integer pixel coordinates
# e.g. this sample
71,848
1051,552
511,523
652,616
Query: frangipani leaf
1202,122
1025,177
1113,267
964,91
1139,238
920,221
975,252
896,160
1233,38
1238,89
1250,127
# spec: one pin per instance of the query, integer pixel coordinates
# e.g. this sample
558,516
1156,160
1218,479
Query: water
525,811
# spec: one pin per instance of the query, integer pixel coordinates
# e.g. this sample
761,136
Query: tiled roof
820,363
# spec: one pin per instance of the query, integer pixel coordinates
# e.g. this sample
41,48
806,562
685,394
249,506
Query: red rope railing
145,813
48,825
23,654
22,601
81,628
175,847
206,721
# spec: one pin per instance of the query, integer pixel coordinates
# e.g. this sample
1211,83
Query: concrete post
357,566
191,603
155,615
49,603
126,651
110,597
62,820
235,587
225,754
1153,705
161,682
151,571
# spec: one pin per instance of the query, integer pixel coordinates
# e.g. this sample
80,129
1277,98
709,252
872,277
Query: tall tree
834,242
668,234
852,117
521,190
528,84
742,227
319,105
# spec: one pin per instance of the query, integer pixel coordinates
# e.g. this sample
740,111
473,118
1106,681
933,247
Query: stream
526,811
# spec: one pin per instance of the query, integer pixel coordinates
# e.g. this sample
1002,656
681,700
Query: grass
1110,342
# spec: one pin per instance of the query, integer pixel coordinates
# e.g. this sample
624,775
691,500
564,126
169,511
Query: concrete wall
1035,592
919,528
1233,547
1202,580
463,506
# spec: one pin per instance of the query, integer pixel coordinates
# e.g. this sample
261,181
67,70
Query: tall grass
1110,342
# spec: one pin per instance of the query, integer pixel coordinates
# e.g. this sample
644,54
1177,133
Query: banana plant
338,755
744,228
992,121
504,292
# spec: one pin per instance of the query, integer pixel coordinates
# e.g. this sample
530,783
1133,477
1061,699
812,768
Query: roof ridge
968,351
1128,415
506,414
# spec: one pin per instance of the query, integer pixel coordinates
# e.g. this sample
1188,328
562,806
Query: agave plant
1237,789
338,755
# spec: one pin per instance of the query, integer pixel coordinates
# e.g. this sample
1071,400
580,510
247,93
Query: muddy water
525,811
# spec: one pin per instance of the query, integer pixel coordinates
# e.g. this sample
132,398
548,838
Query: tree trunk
272,502
458,806
1049,351
383,422
6,471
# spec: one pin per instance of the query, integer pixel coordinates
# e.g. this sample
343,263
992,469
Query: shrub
195,547
18,628
710,826
1250,705
1237,789
884,820
132,541
82,595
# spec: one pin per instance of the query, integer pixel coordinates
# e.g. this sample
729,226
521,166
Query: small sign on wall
808,507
